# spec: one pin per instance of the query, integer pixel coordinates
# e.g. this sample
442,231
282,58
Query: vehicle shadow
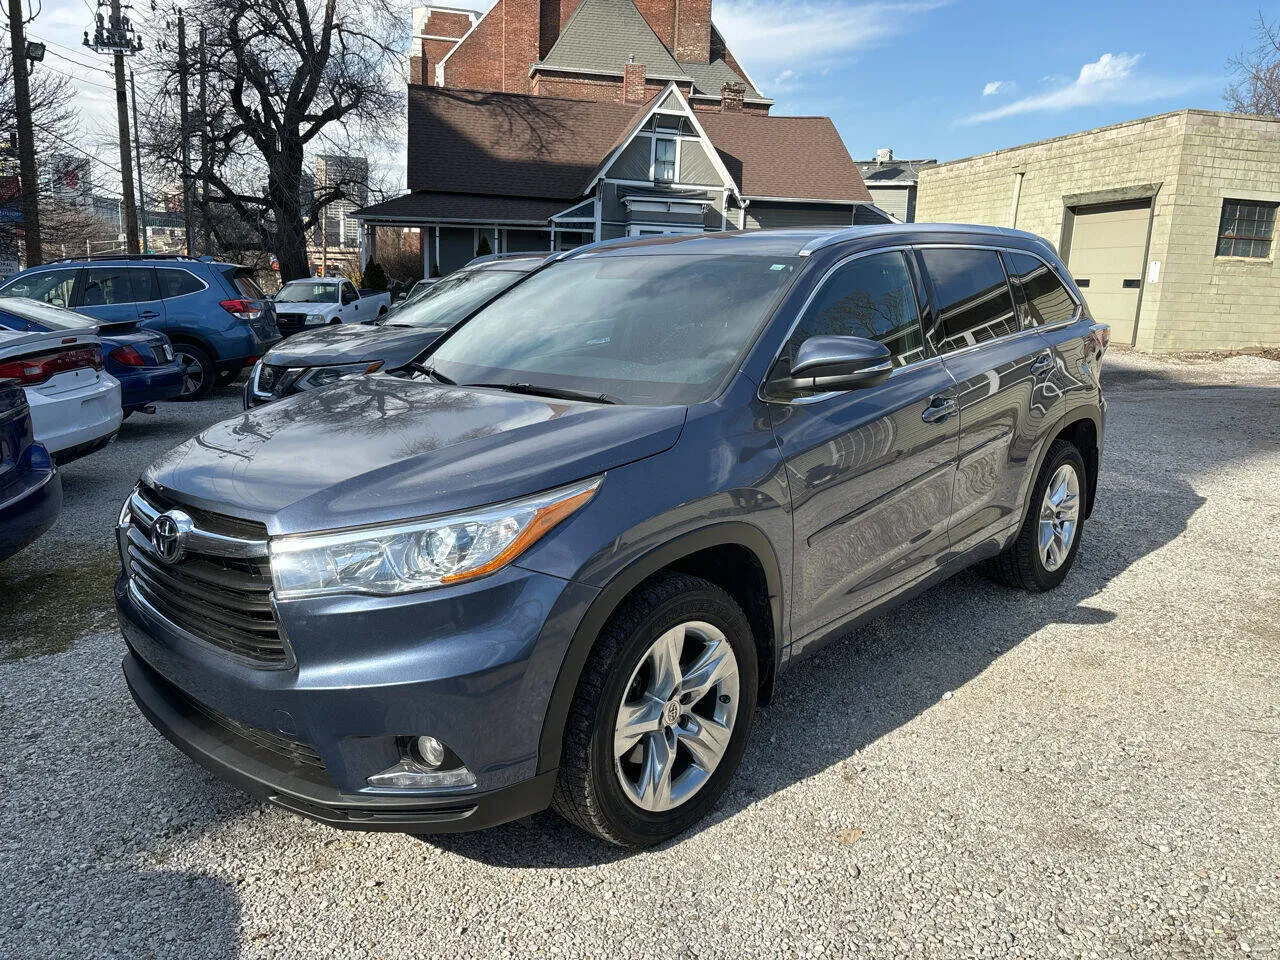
880,676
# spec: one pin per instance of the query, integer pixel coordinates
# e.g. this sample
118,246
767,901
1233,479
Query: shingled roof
602,35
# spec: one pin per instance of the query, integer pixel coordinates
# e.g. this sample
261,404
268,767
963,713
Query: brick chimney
693,31
633,82
419,65
521,38
731,97
661,15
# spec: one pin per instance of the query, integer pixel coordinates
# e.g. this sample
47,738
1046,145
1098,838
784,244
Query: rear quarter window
244,283
1042,298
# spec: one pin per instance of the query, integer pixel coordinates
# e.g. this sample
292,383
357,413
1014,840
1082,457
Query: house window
1246,228
664,160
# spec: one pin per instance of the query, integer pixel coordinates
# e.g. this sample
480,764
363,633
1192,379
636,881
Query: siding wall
763,214
1196,158
892,200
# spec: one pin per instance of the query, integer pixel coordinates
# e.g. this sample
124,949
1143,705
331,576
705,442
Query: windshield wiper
430,372
557,393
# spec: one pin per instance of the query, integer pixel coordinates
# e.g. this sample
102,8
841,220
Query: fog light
430,751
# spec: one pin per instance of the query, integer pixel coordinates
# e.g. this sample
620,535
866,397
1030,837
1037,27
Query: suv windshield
643,329
303,291
452,299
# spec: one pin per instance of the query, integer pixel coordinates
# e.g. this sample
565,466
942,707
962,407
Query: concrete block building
1168,223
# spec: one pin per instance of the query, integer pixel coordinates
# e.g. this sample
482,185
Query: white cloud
997,86
786,80
785,33
1111,78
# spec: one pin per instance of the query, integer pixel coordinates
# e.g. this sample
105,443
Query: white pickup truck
320,301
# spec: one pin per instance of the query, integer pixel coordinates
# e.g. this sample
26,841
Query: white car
75,404
320,301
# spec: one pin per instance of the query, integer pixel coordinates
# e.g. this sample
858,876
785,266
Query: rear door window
871,297
1042,298
107,286
49,286
972,297
177,283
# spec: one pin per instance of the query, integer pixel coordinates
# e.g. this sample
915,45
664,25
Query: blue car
30,489
214,313
142,360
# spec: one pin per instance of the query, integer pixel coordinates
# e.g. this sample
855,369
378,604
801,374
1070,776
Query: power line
78,149
72,76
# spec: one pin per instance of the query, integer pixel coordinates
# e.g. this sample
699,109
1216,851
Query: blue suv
216,315
559,561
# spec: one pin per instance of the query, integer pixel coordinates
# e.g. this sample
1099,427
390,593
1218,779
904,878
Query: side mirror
837,363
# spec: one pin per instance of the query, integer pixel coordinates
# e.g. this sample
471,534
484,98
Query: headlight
314,377
422,553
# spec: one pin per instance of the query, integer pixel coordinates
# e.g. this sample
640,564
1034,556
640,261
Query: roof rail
869,229
132,256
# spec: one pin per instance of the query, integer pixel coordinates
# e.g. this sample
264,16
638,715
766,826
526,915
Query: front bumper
473,665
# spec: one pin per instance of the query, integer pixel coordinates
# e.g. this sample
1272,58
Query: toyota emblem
169,535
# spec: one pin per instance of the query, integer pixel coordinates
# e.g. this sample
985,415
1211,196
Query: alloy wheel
676,717
1059,517
192,373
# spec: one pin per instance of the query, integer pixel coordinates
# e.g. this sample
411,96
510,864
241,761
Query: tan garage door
1108,246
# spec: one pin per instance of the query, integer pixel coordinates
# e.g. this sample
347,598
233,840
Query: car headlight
314,377
411,556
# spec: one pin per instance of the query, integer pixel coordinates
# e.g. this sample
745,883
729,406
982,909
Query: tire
200,373
1027,564
597,789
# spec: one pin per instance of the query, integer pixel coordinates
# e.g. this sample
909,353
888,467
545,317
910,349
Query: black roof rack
134,256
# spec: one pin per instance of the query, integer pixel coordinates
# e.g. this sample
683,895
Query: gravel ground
1091,773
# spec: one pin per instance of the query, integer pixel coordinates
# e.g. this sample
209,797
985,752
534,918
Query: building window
1246,228
664,160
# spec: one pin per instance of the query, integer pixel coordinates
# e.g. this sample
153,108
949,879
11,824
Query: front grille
223,600
290,323
294,750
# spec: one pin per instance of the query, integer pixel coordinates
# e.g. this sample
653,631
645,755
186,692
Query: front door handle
147,314
940,409
1041,363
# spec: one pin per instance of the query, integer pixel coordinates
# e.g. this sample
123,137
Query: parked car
142,361
30,488
214,313
418,288
75,404
319,357
563,565
320,301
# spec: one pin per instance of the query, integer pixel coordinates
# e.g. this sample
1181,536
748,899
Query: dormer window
664,160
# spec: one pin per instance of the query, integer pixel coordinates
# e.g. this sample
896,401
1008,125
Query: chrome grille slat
219,590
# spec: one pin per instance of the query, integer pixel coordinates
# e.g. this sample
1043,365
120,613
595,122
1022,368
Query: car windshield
304,291
452,299
643,329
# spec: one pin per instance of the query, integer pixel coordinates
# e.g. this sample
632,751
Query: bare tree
1256,88
283,79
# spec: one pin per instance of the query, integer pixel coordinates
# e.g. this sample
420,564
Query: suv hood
352,343
381,449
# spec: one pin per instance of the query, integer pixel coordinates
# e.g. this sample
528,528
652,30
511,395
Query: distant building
66,178
351,174
893,183
1168,223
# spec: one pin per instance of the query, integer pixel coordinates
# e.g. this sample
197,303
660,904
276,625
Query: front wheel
1046,547
662,714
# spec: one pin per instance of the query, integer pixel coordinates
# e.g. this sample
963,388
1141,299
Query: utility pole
204,142
116,37
137,149
27,175
188,197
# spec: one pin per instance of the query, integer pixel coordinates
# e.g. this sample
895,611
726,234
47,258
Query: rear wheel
1046,547
661,715
197,371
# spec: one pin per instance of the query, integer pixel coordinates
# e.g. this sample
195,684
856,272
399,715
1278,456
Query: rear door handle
1041,363
940,409
147,314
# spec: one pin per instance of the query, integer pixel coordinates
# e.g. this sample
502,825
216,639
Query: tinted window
871,297
178,283
654,328
51,286
972,297
243,281
109,285
1042,299
452,299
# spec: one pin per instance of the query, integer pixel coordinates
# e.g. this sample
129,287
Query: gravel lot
1090,773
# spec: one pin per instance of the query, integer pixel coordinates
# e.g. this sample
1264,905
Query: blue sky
929,78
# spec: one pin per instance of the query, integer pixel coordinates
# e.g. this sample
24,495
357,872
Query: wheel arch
736,556
1083,426
183,335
